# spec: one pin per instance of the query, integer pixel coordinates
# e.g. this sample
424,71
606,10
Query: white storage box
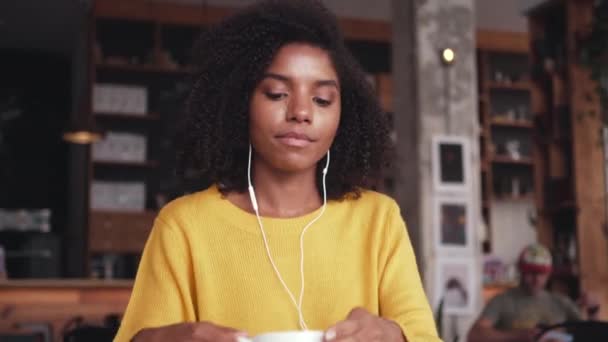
38,220
118,196
121,147
115,98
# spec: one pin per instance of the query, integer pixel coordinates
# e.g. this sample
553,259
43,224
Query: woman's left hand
361,325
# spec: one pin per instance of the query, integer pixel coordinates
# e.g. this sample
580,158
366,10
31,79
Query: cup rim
292,332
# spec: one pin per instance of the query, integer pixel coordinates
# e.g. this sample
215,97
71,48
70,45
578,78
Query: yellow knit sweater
205,261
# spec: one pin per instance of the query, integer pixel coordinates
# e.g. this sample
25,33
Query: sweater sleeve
163,290
402,297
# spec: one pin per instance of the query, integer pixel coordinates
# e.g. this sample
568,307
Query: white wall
511,228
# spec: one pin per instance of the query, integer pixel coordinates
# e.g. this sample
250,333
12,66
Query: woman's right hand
189,332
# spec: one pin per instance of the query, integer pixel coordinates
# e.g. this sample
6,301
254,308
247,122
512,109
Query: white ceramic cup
287,336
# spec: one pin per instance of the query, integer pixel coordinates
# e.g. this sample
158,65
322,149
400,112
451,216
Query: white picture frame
451,164
456,285
453,222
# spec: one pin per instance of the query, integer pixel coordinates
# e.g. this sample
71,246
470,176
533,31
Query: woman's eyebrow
327,83
276,77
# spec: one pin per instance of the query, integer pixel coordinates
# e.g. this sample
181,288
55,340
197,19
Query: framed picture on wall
456,282
450,164
453,224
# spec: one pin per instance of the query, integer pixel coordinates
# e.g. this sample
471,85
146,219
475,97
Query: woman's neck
282,194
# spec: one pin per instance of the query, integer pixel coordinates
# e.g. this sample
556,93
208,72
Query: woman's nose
300,109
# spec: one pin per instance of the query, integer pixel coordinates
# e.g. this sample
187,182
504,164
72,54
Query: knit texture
205,261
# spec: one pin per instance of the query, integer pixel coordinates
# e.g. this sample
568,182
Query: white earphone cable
297,304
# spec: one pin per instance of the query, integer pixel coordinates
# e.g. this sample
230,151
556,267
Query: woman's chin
295,165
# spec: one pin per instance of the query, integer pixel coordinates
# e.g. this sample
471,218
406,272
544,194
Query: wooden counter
57,301
64,283
492,290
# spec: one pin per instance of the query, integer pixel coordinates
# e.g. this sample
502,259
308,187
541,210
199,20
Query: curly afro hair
231,59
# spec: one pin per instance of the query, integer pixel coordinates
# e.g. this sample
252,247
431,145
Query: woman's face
295,109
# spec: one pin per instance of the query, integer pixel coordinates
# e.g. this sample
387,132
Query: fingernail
330,334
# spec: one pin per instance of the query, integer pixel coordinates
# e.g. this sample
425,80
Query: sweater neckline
272,225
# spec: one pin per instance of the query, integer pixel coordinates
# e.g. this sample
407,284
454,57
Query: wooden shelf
62,283
119,231
489,291
145,213
519,85
512,123
508,160
127,117
502,41
149,164
151,69
512,198
501,284
57,301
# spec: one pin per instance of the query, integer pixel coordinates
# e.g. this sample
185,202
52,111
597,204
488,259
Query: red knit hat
535,258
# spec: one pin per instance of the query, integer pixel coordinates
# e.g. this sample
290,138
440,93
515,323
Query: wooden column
589,185
406,121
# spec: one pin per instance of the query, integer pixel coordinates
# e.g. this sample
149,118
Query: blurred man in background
516,314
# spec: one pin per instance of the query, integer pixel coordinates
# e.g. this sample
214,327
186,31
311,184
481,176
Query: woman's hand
189,332
361,325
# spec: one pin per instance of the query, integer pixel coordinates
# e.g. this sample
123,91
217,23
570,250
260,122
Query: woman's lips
295,139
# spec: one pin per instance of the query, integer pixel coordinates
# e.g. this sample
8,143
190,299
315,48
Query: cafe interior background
497,121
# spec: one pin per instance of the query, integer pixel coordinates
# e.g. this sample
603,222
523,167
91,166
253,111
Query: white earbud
253,200
326,165
254,203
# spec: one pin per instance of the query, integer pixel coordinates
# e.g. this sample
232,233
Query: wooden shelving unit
512,161
149,164
505,119
570,183
526,197
515,86
512,123
126,117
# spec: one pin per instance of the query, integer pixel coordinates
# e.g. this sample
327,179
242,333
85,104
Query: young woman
283,122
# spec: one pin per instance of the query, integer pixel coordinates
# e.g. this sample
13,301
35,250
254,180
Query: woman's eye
275,96
321,101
